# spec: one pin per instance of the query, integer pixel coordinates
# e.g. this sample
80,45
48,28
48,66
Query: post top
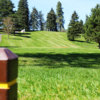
6,54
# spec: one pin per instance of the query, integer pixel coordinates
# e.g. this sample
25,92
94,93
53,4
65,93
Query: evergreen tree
92,25
41,21
34,19
60,17
23,15
88,29
74,27
51,21
45,26
81,26
6,9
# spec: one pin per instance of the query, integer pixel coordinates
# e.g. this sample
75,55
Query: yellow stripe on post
7,85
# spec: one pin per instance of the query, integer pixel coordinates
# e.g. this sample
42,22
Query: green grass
53,68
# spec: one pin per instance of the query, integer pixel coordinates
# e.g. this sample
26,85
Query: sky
82,7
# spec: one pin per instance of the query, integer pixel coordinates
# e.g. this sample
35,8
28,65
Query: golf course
53,68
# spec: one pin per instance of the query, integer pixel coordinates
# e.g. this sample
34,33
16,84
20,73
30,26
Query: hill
44,39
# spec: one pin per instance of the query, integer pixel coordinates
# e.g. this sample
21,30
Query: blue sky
82,7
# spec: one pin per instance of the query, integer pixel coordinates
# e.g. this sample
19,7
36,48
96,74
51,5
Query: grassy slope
53,68
44,40
37,39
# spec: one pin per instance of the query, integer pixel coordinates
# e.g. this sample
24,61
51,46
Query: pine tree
81,26
23,15
74,27
6,9
34,19
41,21
88,29
92,25
51,21
45,26
60,17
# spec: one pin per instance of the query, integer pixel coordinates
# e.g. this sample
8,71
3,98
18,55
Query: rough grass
53,68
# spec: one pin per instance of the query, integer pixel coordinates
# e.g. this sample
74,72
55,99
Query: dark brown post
8,74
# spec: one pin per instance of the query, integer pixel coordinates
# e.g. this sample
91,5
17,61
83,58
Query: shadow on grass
83,41
79,41
16,39
61,60
26,35
9,46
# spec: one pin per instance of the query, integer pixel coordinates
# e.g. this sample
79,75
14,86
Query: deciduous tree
8,25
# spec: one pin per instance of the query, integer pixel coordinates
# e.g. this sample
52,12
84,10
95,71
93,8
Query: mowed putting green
54,68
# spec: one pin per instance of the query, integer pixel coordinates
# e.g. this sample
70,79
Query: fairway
53,68
38,39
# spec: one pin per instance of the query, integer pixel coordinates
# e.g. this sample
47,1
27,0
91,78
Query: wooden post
8,74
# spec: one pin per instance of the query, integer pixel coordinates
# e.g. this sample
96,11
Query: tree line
90,29
22,19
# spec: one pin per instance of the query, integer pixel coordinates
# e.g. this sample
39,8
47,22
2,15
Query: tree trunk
99,45
60,28
72,39
8,35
